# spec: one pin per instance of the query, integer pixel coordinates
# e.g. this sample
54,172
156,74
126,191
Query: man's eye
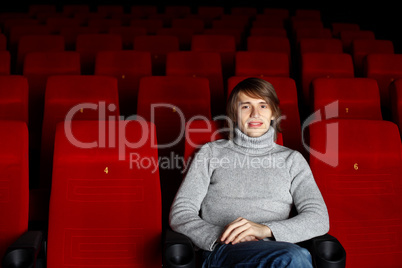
264,106
245,107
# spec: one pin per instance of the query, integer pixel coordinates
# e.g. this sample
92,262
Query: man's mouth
255,124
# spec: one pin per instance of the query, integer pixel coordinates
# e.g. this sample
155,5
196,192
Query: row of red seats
183,29
356,98
226,48
307,22
369,165
278,42
115,199
129,66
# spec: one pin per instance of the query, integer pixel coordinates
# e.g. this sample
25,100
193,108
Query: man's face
254,115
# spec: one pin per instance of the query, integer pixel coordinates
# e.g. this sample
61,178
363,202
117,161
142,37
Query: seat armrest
24,251
326,251
178,251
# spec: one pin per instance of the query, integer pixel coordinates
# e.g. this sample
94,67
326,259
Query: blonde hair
255,88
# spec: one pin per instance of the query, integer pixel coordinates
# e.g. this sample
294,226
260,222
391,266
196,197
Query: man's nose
255,113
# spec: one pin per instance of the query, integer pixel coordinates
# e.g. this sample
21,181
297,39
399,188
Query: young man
236,198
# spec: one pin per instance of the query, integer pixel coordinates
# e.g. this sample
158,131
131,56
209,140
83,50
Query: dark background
381,17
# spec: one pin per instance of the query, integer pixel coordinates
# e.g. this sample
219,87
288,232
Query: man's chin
256,132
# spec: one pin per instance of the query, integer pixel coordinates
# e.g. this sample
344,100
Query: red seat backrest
14,182
358,167
105,205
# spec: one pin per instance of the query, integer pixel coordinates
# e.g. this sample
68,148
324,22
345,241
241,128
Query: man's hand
242,230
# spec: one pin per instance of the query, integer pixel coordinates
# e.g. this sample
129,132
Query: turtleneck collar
254,145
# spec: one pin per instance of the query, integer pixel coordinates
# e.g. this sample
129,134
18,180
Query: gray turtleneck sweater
253,178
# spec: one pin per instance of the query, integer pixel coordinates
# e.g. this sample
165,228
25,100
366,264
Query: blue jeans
257,254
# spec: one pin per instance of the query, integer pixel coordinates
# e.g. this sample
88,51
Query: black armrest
326,251
24,251
178,251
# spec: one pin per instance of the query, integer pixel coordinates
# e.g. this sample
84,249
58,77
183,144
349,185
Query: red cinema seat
297,23
14,98
362,47
396,103
225,45
178,100
318,65
14,21
20,30
158,46
266,21
312,33
57,23
184,35
14,182
105,206
337,27
237,17
385,68
74,97
127,34
5,62
209,13
347,37
12,15
37,43
177,11
152,25
238,34
358,98
43,16
199,132
143,11
128,67
104,24
124,18
198,25
269,44
109,10
261,63
86,16
88,45
3,42
286,91
200,64
324,45
38,66
231,23
70,34
267,31
169,102
357,166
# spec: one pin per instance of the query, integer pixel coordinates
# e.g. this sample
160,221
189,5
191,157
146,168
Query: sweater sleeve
184,213
312,219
